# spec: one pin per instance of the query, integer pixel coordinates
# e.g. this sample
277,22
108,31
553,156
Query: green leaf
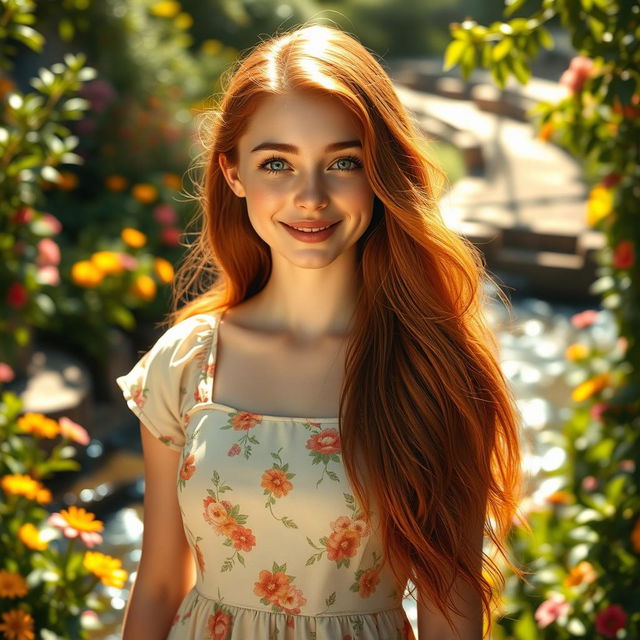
502,49
28,36
512,6
545,38
520,70
454,53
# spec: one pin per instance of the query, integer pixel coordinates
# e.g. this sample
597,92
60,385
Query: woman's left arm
432,625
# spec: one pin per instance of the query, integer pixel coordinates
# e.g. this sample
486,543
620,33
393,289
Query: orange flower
143,288
23,485
559,497
546,131
116,183
30,537
242,538
86,274
368,581
243,420
271,586
17,625
275,481
38,425
187,468
172,180
635,536
67,181
133,237
144,193
108,569
590,387
576,351
163,269
12,585
342,544
582,573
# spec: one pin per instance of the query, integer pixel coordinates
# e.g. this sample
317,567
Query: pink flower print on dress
243,421
324,447
235,450
200,396
219,625
292,600
275,588
139,394
188,468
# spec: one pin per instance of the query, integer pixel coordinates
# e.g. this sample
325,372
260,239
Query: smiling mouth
310,229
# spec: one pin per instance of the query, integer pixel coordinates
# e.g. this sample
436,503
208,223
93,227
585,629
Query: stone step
539,239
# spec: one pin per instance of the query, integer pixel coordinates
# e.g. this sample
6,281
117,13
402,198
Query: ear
230,173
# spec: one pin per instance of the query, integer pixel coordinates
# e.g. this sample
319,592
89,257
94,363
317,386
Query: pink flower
235,450
598,409
590,483
73,431
90,538
6,372
584,319
48,253
165,215
54,225
48,275
99,93
575,76
326,442
550,610
127,261
610,620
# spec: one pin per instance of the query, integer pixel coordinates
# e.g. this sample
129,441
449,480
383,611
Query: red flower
326,442
623,255
17,295
611,180
610,620
577,73
170,236
22,215
243,538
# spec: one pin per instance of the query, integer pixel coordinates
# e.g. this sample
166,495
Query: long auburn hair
424,402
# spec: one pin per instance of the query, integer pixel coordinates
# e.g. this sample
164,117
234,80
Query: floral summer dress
281,546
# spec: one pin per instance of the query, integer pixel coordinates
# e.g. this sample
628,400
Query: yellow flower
81,519
133,237
582,573
164,270
116,183
17,625
183,20
107,261
144,288
172,180
86,274
23,485
576,351
600,205
108,569
590,387
546,131
211,47
30,537
635,536
12,585
67,181
38,425
165,9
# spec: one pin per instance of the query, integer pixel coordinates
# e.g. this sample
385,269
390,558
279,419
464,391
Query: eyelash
353,159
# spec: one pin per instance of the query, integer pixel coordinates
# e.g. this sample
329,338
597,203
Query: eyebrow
289,148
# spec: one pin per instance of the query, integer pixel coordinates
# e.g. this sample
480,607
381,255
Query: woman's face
300,164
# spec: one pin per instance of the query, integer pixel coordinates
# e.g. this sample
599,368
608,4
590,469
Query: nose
311,194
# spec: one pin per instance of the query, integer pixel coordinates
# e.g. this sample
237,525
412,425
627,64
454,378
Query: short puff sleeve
161,387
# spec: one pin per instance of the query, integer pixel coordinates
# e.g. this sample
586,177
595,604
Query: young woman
325,422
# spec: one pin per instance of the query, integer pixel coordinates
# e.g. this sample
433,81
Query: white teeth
310,230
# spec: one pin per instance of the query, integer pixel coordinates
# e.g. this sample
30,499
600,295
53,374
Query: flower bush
48,574
584,552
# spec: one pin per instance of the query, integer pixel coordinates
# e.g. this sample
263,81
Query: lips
311,224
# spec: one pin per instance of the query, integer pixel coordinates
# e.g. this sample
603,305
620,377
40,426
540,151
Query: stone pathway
523,201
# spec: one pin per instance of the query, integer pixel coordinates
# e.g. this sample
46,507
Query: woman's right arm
166,570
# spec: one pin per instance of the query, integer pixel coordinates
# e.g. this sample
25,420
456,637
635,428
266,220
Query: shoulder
192,333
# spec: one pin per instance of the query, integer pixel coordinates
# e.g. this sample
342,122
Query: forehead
300,117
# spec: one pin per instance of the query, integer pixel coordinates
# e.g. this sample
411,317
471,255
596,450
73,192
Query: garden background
532,109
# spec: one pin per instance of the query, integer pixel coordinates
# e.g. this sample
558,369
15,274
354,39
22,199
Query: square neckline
218,315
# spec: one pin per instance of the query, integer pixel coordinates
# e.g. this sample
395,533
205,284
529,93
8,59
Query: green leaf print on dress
242,421
226,520
345,538
275,482
324,448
